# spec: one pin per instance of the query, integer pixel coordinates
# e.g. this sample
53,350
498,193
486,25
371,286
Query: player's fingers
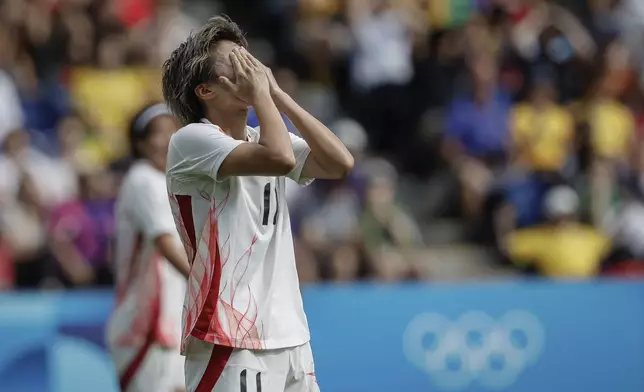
226,84
237,65
268,71
251,59
243,59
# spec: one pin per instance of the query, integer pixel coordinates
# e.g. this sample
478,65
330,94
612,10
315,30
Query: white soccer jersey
243,289
149,289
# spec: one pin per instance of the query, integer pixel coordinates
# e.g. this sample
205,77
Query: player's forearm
274,135
167,247
328,151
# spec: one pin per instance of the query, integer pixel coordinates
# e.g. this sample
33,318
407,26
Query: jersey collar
206,121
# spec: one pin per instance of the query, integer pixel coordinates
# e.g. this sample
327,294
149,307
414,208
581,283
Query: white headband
150,114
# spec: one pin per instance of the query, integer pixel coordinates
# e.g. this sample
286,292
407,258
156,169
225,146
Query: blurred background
499,147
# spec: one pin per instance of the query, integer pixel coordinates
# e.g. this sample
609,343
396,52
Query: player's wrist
259,96
280,98
262,101
277,93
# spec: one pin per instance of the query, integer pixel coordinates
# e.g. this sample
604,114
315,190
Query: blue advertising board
520,337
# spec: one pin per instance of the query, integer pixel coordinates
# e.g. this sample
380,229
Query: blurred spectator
331,224
522,95
80,232
43,105
53,179
81,29
78,148
619,76
627,17
562,247
134,12
11,115
381,70
612,136
626,222
543,131
545,33
122,89
387,231
477,134
355,138
512,204
172,26
327,216
546,30
46,38
23,229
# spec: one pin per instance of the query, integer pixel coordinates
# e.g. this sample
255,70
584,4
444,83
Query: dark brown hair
191,64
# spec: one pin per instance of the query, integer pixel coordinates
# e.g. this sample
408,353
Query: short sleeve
199,149
301,151
151,209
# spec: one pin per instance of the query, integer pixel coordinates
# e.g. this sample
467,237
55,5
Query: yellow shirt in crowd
612,128
542,138
109,98
571,251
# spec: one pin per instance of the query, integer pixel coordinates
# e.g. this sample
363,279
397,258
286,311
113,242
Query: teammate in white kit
244,328
144,331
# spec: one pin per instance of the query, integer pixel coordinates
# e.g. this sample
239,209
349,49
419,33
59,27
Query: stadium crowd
518,122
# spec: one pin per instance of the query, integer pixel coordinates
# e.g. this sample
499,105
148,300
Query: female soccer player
143,332
244,328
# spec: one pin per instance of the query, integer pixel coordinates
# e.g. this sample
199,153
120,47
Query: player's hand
251,84
275,88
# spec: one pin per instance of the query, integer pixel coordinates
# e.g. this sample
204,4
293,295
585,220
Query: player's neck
232,124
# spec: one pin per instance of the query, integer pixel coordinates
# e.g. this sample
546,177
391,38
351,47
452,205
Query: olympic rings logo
474,349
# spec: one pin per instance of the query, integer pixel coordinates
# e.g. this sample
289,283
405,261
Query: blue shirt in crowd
482,129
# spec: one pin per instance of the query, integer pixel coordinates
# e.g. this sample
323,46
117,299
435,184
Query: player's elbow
340,168
345,166
282,164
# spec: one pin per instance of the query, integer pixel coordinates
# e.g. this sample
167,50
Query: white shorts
214,368
149,368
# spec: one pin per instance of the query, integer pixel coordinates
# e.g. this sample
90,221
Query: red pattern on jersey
147,324
246,331
187,225
206,315
208,325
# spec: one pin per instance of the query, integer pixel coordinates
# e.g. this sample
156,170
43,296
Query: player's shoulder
195,129
142,175
196,135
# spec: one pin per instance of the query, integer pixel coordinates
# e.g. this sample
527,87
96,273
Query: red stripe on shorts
218,360
130,372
